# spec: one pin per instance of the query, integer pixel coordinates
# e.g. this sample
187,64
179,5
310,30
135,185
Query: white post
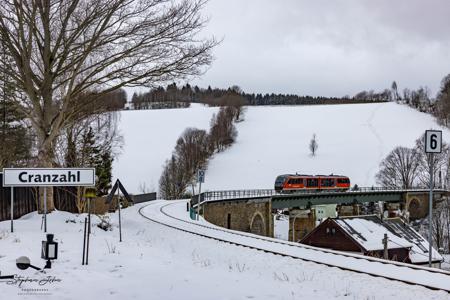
45,209
120,217
12,209
430,213
199,199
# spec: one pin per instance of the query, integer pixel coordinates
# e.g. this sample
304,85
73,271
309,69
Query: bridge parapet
360,191
232,195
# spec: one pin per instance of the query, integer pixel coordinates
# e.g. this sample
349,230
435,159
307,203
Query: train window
295,181
280,179
312,182
327,182
343,180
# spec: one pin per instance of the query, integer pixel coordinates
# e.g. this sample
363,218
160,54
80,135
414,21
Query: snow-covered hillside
149,139
353,139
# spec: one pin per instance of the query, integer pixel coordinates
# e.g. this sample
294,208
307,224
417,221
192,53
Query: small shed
364,235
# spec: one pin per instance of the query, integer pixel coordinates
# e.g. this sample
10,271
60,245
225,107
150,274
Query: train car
290,183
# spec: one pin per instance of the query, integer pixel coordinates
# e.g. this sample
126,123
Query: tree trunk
45,160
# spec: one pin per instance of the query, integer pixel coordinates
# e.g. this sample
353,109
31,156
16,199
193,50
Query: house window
331,231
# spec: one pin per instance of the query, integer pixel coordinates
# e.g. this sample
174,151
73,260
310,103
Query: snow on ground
352,139
150,137
281,227
273,140
157,262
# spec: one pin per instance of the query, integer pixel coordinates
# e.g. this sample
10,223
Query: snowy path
164,212
380,146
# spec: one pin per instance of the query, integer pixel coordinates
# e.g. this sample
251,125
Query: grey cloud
328,47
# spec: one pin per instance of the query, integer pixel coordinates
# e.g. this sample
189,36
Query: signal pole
200,179
433,144
430,213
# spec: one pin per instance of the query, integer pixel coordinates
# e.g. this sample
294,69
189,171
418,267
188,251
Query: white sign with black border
433,141
48,177
201,176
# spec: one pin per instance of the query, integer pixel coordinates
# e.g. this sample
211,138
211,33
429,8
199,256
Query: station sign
48,177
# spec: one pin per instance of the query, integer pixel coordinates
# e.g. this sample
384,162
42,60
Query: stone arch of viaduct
254,215
248,215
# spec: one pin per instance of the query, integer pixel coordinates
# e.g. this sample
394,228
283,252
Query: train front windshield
279,182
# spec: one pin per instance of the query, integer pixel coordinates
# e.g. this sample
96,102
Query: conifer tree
103,171
15,140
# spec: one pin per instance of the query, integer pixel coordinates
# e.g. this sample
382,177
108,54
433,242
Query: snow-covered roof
419,251
369,232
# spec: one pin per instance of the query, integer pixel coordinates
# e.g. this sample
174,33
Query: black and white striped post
12,209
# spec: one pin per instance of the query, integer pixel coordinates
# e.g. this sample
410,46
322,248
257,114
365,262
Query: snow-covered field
150,137
353,139
156,262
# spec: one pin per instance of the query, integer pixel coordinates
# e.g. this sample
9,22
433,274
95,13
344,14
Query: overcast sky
330,48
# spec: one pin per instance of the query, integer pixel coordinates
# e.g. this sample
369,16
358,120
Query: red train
291,183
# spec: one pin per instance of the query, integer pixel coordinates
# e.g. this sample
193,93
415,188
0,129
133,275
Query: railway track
430,278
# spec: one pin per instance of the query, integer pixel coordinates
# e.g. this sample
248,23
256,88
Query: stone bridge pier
248,215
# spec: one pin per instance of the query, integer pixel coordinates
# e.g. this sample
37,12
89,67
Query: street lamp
49,250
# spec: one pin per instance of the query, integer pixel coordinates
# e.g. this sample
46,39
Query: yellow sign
90,193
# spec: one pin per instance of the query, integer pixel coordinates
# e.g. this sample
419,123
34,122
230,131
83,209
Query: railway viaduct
251,210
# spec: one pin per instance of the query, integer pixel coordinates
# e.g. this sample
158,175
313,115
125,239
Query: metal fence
26,200
244,194
232,194
143,197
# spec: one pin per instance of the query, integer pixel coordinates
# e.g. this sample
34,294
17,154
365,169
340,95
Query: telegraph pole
385,247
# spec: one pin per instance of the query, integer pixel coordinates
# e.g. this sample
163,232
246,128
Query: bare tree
192,148
313,145
223,133
439,160
236,104
443,101
394,89
66,54
173,181
400,168
446,217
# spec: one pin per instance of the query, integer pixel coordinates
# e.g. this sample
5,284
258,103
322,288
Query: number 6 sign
433,141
